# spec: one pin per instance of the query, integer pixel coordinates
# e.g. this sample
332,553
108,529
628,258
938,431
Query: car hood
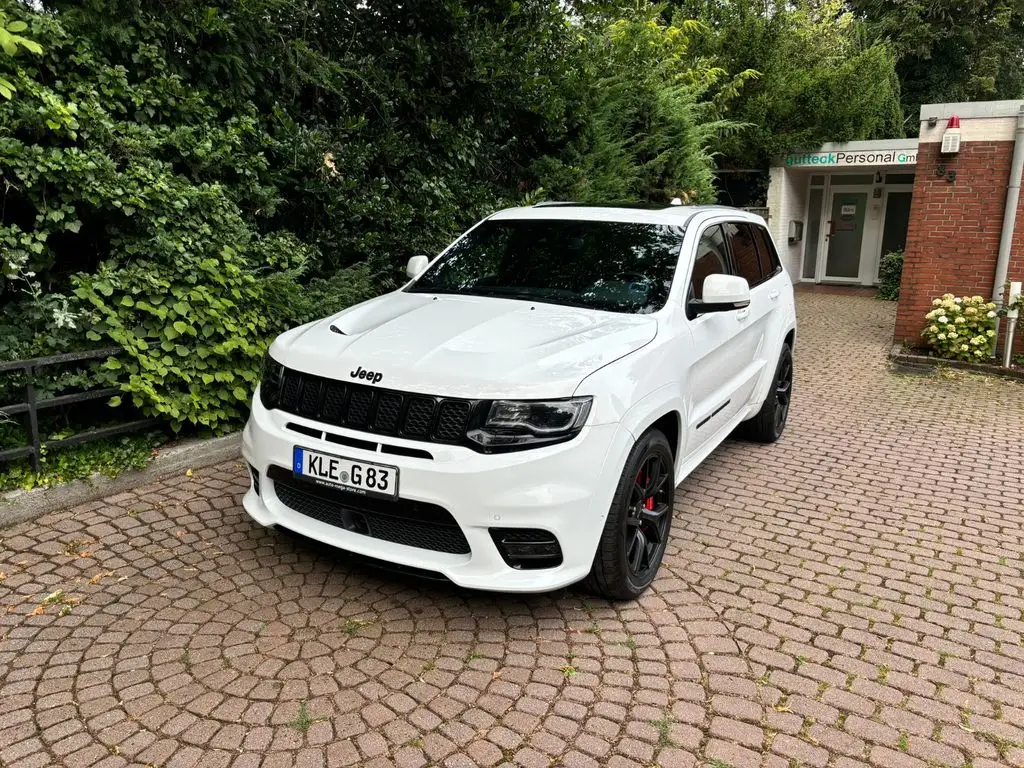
464,346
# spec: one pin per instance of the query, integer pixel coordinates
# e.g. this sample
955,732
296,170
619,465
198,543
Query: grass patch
664,726
353,626
302,721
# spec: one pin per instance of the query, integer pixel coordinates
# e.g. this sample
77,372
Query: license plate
351,475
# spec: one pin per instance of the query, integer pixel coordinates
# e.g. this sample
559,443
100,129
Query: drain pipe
1011,324
1009,217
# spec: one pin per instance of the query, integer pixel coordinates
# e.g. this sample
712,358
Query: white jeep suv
517,416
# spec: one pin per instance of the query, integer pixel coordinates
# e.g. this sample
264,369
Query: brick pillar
953,238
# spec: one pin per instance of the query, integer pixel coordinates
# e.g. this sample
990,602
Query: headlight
512,424
270,382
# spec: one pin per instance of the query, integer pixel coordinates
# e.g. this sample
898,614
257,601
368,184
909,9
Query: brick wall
953,239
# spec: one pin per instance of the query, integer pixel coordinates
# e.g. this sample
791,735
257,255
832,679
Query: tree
951,50
819,77
649,123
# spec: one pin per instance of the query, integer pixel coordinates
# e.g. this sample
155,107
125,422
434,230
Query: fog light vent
255,474
527,548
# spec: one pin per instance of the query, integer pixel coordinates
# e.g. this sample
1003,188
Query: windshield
608,265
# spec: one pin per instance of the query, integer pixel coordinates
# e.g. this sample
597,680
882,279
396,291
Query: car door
756,337
781,313
716,376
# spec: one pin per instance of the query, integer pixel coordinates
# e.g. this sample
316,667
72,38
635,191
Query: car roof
671,215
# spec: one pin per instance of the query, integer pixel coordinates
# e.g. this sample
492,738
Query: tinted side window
710,260
744,251
766,248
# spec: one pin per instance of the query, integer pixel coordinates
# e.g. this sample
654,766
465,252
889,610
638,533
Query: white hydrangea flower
991,314
943,319
942,337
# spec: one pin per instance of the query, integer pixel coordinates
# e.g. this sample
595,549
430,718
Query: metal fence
32,405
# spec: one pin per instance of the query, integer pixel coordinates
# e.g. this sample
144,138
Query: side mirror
722,293
416,266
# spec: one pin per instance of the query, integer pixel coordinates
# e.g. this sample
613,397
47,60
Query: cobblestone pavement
851,595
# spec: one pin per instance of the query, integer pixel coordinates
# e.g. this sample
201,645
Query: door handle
773,295
743,314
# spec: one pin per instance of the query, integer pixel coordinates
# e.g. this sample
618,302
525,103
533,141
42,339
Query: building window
811,234
899,178
818,180
852,179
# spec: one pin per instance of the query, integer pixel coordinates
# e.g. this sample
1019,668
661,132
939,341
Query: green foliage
11,42
649,125
194,334
819,78
186,179
890,275
108,457
950,51
961,328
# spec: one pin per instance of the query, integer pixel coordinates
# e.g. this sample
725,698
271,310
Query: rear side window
766,249
744,251
711,259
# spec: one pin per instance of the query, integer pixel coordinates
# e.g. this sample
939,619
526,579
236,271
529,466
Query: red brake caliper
649,501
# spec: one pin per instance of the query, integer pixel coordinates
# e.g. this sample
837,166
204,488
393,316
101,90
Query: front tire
639,521
767,426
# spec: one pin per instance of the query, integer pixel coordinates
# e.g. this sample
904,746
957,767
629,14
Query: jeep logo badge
370,376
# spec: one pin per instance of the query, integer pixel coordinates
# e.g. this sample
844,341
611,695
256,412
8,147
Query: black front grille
381,411
412,523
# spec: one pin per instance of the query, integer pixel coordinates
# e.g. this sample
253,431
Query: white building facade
835,211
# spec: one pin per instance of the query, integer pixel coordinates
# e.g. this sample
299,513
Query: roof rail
550,203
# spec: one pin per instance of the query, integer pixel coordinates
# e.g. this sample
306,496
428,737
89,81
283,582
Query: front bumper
565,489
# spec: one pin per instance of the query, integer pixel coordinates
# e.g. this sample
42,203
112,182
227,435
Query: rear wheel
768,425
639,521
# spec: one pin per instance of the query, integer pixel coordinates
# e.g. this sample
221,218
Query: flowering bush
961,328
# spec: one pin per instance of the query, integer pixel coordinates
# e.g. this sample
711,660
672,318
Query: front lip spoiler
367,561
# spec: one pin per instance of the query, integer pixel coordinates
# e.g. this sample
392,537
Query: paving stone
848,596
